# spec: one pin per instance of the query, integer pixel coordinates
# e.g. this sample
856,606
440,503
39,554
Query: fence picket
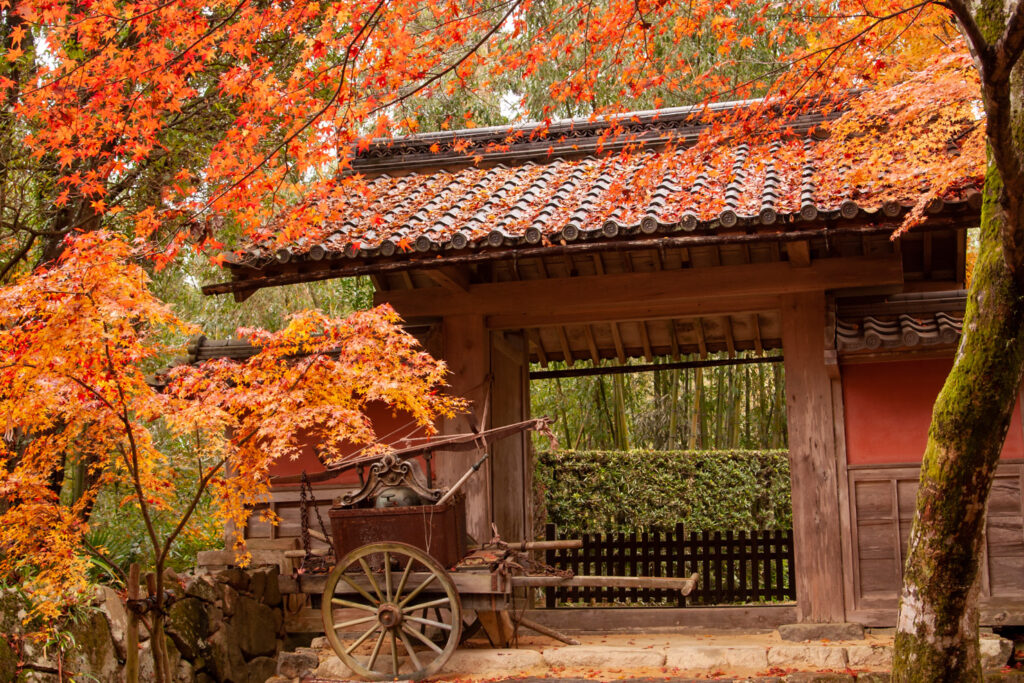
734,567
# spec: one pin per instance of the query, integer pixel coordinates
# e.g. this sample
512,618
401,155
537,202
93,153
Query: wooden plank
313,584
511,465
620,351
592,344
607,582
563,342
816,527
645,341
538,344
449,278
843,481
799,253
518,304
467,350
605,619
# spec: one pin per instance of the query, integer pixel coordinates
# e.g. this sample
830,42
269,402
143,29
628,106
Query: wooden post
511,464
816,526
467,352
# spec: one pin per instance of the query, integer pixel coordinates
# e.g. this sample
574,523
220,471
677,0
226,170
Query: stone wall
225,627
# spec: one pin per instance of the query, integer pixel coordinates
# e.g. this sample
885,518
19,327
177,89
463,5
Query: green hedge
585,491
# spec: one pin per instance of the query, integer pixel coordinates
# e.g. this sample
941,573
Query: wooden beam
730,343
645,340
592,344
691,290
620,350
566,349
534,337
756,323
701,344
638,310
598,264
816,520
673,339
467,351
651,367
257,276
449,278
799,253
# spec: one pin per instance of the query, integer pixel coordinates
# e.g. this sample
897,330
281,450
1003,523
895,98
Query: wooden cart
407,589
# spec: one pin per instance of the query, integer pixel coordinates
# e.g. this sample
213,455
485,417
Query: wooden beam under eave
673,339
701,343
799,253
563,339
730,342
645,340
645,296
450,278
592,344
534,337
620,349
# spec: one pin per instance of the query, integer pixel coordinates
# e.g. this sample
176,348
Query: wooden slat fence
739,567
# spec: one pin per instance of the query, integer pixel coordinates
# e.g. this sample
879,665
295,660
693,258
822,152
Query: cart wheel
391,584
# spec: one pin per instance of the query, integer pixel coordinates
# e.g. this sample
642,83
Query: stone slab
807,657
585,656
805,632
995,652
708,658
486,662
333,667
869,656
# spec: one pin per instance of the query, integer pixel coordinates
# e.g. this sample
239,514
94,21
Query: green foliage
606,491
714,408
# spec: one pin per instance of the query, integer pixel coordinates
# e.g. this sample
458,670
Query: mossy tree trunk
937,629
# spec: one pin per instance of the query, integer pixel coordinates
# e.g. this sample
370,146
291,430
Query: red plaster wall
888,409
389,426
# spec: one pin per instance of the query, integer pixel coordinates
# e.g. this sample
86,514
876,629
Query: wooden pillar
467,352
812,457
511,462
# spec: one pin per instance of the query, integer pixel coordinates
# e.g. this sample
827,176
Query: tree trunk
937,630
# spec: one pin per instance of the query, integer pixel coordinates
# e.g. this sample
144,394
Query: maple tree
75,341
188,121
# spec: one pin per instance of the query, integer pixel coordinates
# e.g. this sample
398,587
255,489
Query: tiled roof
908,321
785,183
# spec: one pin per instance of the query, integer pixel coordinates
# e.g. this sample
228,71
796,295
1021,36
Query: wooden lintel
640,296
450,278
799,253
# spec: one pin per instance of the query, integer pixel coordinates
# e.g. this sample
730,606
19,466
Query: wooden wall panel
882,504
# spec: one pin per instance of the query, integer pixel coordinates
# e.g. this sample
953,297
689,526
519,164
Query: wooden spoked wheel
391,611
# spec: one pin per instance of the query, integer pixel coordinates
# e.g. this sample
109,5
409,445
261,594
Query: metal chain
304,517
316,509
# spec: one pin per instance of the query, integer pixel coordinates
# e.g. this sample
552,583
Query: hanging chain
306,498
304,517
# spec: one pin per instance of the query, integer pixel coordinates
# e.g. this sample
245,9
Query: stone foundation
225,627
